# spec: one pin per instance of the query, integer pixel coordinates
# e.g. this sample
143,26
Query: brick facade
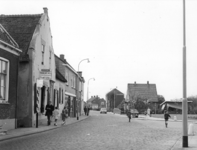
8,111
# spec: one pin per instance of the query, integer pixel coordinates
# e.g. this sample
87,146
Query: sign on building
45,74
40,83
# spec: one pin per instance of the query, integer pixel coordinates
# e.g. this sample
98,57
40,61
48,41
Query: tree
193,106
161,99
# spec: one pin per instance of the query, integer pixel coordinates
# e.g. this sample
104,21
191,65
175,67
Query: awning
177,106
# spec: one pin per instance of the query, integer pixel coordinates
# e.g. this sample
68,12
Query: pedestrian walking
88,110
129,115
49,112
55,115
166,117
85,110
64,115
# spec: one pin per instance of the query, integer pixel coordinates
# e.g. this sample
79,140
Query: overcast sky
125,40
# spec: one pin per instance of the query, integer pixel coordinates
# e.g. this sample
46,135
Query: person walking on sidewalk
88,110
49,111
55,115
85,110
166,117
64,115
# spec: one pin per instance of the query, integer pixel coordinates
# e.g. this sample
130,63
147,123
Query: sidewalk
42,128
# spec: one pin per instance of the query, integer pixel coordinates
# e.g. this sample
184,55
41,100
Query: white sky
125,40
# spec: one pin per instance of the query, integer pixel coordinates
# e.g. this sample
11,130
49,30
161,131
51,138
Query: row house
74,93
36,67
9,61
30,75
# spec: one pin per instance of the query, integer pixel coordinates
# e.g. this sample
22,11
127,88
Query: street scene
103,131
98,74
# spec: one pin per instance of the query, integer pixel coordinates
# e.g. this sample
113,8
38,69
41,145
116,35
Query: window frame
6,82
42,50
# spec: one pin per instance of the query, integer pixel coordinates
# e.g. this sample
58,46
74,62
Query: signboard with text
45,74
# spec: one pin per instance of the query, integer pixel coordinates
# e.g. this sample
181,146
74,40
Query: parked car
103,110
134,113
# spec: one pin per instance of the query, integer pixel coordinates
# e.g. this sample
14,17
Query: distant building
114,99
146,93
173,105
96,103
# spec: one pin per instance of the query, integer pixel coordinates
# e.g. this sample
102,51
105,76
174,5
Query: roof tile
21,28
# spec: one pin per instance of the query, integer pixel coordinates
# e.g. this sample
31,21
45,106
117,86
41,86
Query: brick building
9,60
114,99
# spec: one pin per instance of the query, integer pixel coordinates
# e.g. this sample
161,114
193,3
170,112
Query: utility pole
184,102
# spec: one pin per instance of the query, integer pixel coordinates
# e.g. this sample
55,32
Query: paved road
99,132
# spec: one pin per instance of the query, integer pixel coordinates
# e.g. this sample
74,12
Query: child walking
129,115
64,115
166,117
55,115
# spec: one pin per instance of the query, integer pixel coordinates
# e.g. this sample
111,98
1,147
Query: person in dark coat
166,117
85,110
88,110
49,111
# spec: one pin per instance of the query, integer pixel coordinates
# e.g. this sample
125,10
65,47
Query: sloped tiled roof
114,91
5,37
146,91
21,28
63,61
60,77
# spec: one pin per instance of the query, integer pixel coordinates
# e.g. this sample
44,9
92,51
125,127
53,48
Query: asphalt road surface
102,132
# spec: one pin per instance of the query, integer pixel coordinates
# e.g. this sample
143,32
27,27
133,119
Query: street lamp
78,85
88,87
83,60
184,102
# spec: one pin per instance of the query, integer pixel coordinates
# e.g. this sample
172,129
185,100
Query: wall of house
8,110
30,72
70,86
60,95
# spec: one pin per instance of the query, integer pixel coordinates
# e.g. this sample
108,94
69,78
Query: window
66,76
50,53
3,80
74,81
43,49
71,82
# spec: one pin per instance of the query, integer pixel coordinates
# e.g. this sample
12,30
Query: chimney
45,10
147,82
80,73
